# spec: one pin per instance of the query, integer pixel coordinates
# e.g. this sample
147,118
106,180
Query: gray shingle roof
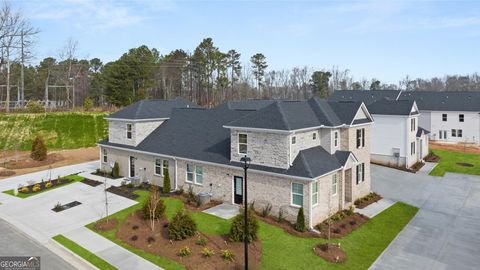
421,131
444,100
150,109
342,156
365,96
392,107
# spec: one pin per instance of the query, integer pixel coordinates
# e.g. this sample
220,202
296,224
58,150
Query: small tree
182,226
154,207
87,104
39,149
166,181
237,231
115,170
300,225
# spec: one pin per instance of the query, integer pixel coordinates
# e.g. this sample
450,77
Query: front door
238,189
132,167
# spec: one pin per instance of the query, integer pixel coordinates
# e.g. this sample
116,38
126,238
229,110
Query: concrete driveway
445,234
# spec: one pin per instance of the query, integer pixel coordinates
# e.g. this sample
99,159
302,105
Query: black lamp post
246,163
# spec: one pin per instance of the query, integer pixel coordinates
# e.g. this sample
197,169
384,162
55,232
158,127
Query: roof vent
188,106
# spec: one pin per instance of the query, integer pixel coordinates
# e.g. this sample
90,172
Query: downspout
175,173
310,215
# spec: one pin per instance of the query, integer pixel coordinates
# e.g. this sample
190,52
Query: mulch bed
123,191
106,225
341,228
108,175
61,208
367,200
330,252
55,183
417,166
465,164
30,163
136,232
288,227
91,182
4,173
192,206
432,158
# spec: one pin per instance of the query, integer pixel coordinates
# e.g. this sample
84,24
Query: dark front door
238,190
132,166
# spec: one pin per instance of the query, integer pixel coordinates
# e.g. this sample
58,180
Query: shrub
166,182
191,195
115,170
300,224
134,238
87,104
228,255
349,211
39,149
237,231
24,190
184,251
34,107
36,188
353,222
201,241
150,239
149,204
58,206
266,210
182,226
135,227
206,252
336,230
281,215
48,184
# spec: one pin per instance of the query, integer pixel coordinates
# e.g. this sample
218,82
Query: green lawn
80,251
284,251
76,178
60,130
448,163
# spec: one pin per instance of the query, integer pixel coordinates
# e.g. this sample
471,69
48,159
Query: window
412,124
412,148
335,138
297,194
314,193
199,175
294,140
454,133
459,133
360,138
158,166
129,131
189,173
314,135
444,117
164,166
360,173
461,118
334,185
242,143
105,158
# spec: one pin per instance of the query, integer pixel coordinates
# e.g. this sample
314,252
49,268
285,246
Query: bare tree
152,205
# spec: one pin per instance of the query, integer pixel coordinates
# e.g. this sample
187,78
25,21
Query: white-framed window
454,133
190,174
360,173
129,131
242,143
199,175
360,137
315,193
335,138
459,133
105,156
444,117
314,136
334,185
412,148
158,166
164,166
461,118
294,140
297,194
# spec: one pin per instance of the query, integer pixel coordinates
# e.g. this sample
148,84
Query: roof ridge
282,114
139,108
305,162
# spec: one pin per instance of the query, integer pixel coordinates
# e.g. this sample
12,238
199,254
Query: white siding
470,127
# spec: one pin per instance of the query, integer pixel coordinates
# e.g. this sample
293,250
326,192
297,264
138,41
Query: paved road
445,233
15,243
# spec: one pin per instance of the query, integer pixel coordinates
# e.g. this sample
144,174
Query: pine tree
39,149
166,181
300,225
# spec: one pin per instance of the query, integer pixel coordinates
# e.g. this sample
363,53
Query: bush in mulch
103,173
44,185
417,166
367,200
331,252
182,226
105,225
341,224
237,230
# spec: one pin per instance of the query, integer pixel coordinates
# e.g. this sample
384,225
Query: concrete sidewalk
375,208
109,251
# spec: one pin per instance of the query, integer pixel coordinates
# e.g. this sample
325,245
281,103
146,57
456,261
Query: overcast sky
382,39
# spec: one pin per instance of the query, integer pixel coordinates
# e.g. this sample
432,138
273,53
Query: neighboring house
451,116
312,154
397,137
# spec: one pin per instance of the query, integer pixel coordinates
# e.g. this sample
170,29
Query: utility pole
7,104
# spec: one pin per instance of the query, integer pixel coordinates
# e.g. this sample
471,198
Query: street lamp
246,163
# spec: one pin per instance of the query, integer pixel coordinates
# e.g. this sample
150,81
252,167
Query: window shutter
363,172
363,137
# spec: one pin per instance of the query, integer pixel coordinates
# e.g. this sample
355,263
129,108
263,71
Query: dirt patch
367,200
106,225
136,232
91,182
465,164
431,157
457,147
69,157
30,163
6,173
331,252
287,227
343,227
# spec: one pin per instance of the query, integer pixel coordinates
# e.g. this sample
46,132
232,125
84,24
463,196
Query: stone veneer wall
304,140
321,211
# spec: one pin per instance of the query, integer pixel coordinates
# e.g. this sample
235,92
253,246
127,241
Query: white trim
155,166
238,143
336,185
365,110
291,194
293,131
135,120
311,193
186,173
